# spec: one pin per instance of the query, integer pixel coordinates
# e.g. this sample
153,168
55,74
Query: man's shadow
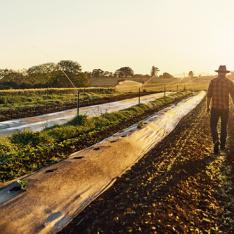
178,173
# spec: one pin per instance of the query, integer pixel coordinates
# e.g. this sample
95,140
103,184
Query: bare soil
178,187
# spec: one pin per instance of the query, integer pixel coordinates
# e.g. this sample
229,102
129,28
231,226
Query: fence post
78,103
177,88
164,90
139,97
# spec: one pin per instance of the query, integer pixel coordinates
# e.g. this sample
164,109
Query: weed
23,184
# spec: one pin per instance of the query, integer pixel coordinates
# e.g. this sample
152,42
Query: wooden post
78,103
164,90
139,97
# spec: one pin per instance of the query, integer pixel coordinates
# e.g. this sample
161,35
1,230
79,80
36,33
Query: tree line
64,74
45,75
121,72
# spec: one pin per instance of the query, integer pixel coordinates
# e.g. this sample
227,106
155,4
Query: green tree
166,75
97,73
124,72
70,67
45,75
69,73
41,75
190,74
42,69
12,79
154,71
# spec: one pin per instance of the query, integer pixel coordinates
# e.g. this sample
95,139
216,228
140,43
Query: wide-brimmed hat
222,68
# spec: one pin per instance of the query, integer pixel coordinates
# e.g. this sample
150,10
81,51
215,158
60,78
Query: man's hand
208,105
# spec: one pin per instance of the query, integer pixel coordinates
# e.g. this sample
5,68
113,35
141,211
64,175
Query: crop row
54,90
26,152
20,106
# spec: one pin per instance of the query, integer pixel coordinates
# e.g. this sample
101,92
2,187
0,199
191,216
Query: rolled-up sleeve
210,90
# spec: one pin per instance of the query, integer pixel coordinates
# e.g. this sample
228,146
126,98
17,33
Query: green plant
23,184
30,151
6,147
61,133
30,138
79,120
140,125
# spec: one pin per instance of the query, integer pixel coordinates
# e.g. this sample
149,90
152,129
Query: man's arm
232,92
208,100
209,96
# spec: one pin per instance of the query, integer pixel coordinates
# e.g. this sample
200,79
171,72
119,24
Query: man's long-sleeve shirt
219,90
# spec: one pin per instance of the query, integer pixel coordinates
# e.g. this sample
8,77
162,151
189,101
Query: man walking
219,90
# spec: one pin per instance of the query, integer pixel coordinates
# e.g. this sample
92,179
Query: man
219,90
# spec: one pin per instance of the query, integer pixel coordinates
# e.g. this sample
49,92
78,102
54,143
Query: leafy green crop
25,152
23,184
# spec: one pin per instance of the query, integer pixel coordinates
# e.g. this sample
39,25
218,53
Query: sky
175,35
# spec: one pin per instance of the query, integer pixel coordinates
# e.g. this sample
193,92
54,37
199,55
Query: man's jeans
214,118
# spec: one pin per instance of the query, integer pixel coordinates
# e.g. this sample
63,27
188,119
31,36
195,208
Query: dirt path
179,187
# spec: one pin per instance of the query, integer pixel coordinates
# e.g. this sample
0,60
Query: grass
176,86
27,151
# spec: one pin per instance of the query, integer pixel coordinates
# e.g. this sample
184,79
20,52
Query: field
175,86
179,84
179,187
25,103
26,152
117,117
19,103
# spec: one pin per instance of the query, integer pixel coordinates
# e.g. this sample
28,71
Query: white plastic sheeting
40,122
58,193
